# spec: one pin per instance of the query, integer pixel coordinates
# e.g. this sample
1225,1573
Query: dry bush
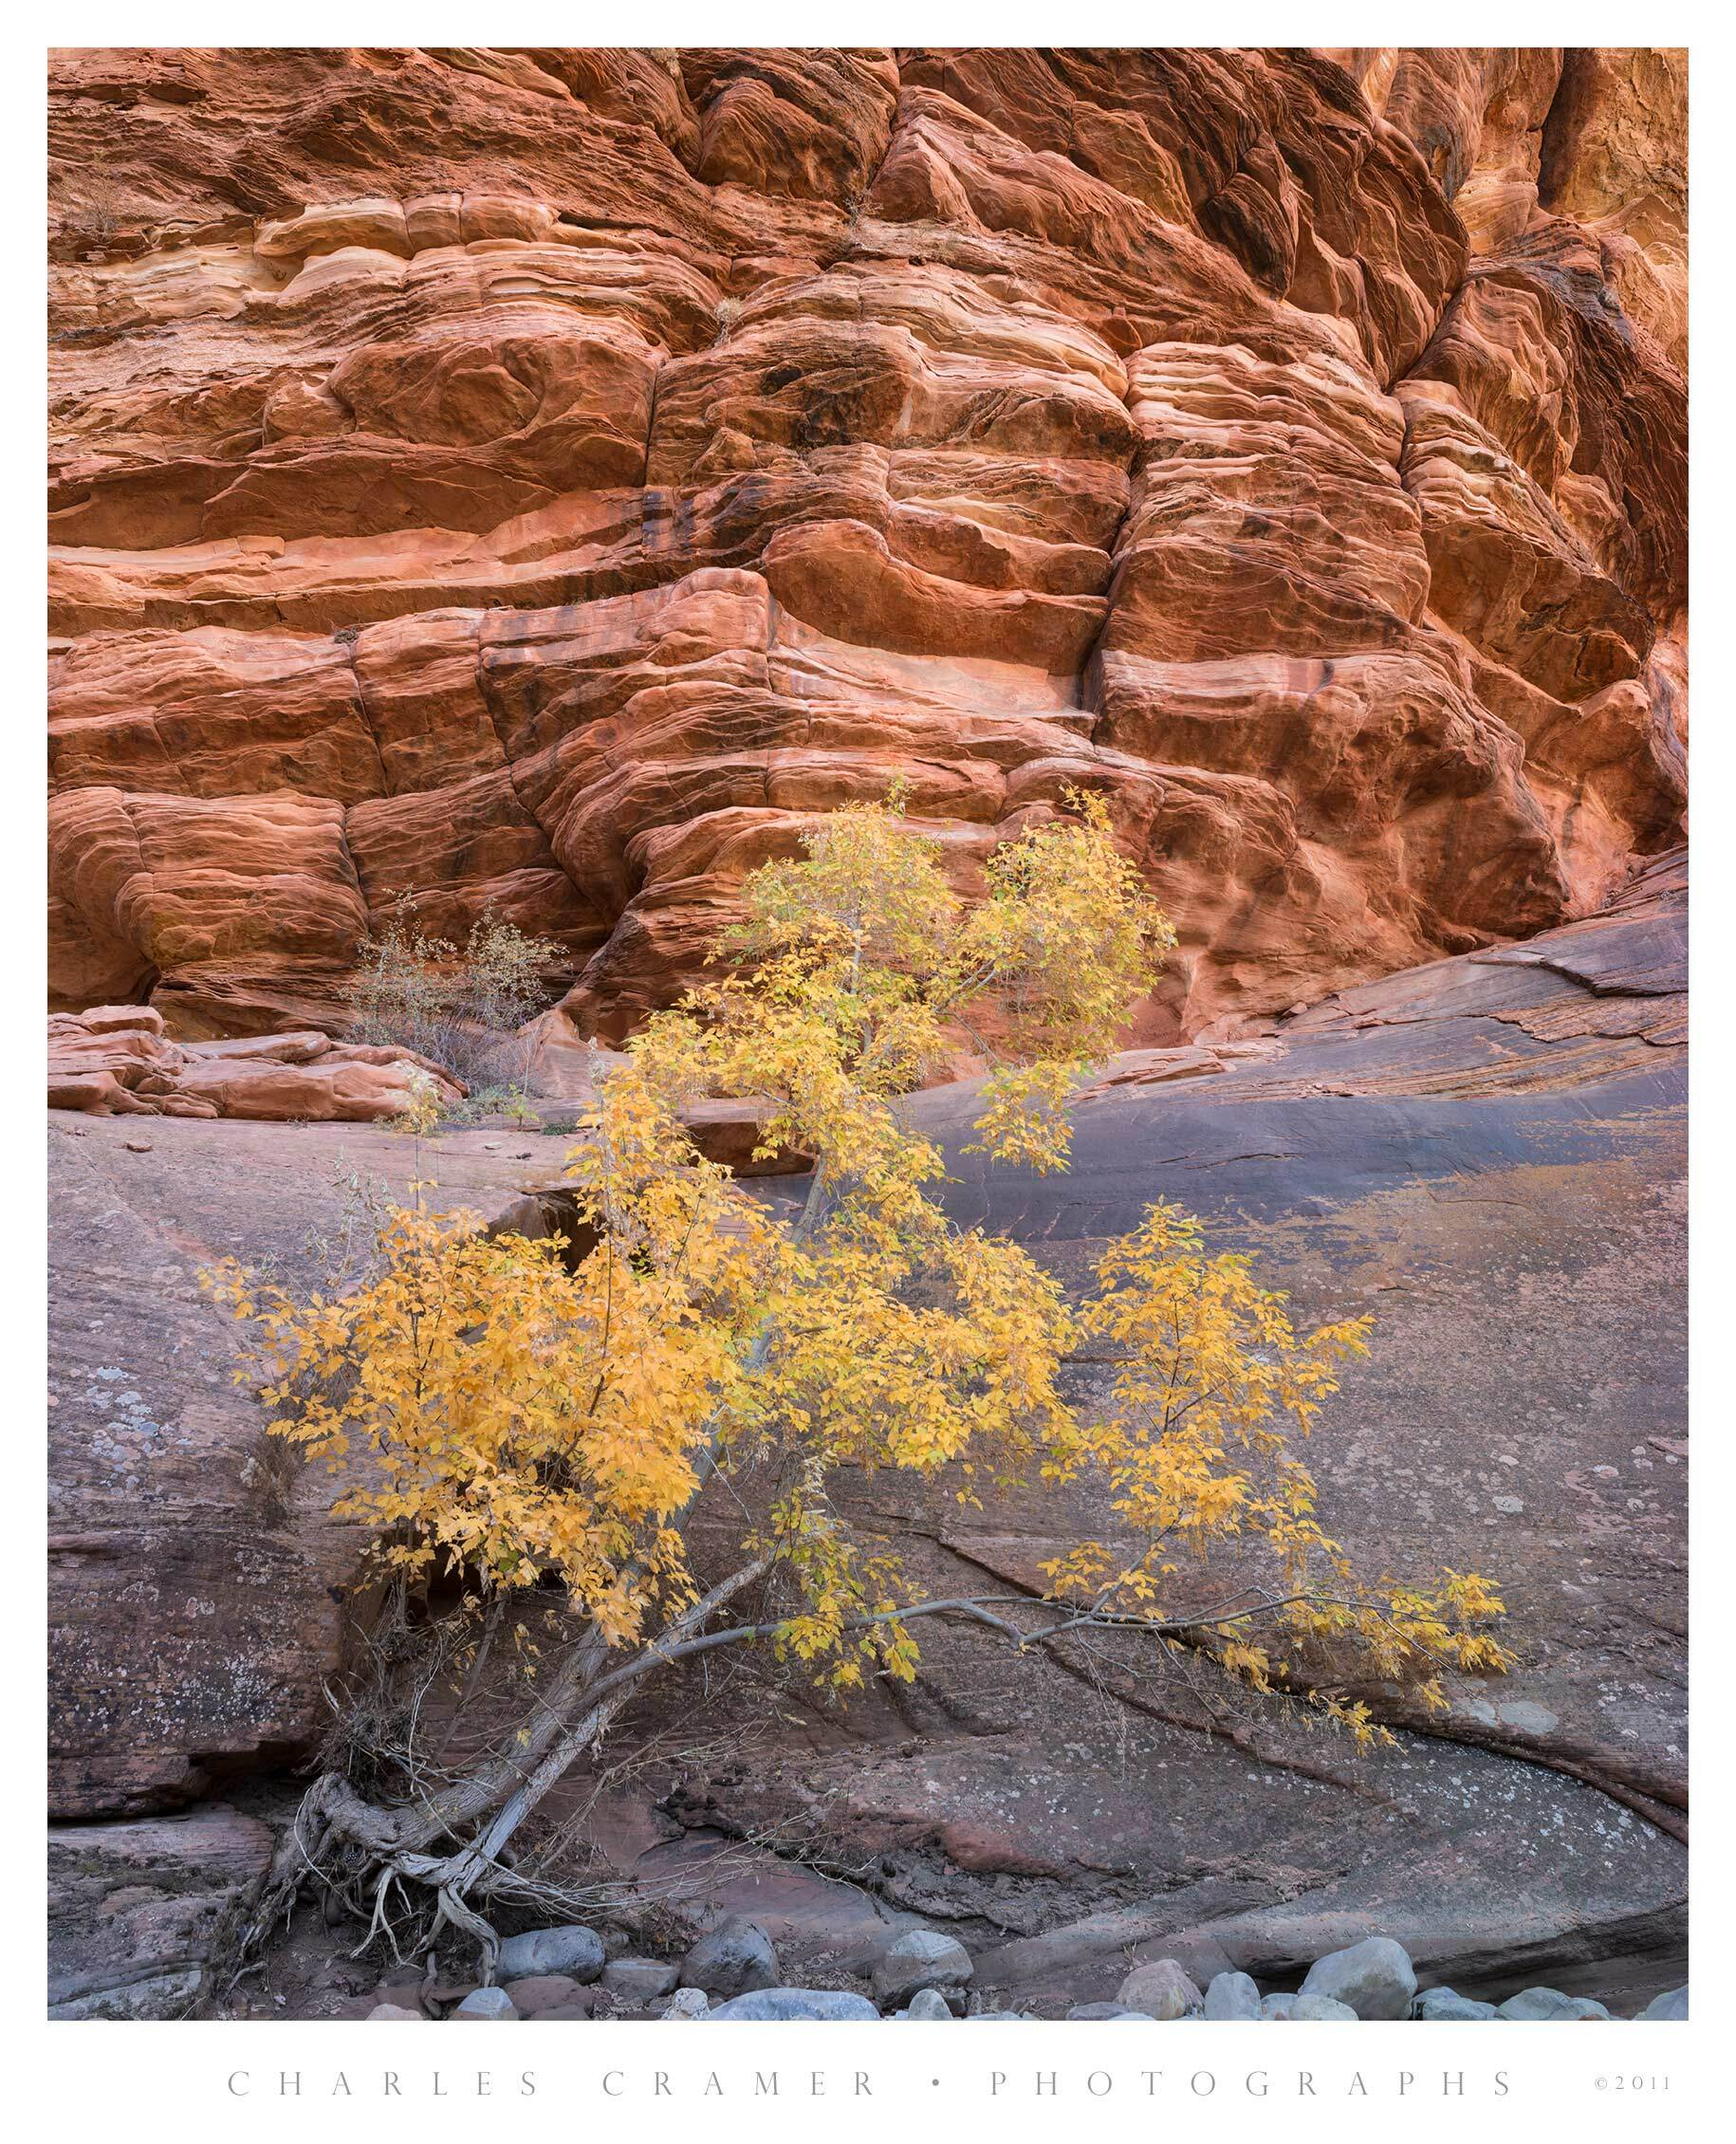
458,1005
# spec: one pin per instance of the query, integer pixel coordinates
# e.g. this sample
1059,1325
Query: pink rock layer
549,479
117,1061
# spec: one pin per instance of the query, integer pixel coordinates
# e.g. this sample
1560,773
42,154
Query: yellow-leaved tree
512,1417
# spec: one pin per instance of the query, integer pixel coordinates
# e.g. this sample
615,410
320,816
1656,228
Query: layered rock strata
139,1912
546,480
116,1061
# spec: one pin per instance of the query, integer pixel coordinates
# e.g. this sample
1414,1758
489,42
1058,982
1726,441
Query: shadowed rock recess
545,481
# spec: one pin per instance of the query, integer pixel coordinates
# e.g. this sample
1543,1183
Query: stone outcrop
139,1911
1487,1154
1491,1146
546,479
545,482
116,1060
198,1594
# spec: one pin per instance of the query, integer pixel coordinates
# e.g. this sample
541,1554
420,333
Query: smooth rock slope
1487,1154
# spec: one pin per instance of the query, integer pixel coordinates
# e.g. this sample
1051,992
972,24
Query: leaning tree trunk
449,1844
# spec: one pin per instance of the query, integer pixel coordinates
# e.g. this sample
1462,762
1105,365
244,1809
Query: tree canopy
500,1408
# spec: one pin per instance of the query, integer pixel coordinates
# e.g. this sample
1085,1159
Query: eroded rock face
137,1913
548,479
198,1592
116,1061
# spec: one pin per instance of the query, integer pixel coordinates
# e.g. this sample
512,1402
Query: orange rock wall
548,478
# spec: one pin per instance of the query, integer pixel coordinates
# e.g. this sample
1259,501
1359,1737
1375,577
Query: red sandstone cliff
547,479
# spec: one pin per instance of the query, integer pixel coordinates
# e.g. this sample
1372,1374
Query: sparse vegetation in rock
456,1004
